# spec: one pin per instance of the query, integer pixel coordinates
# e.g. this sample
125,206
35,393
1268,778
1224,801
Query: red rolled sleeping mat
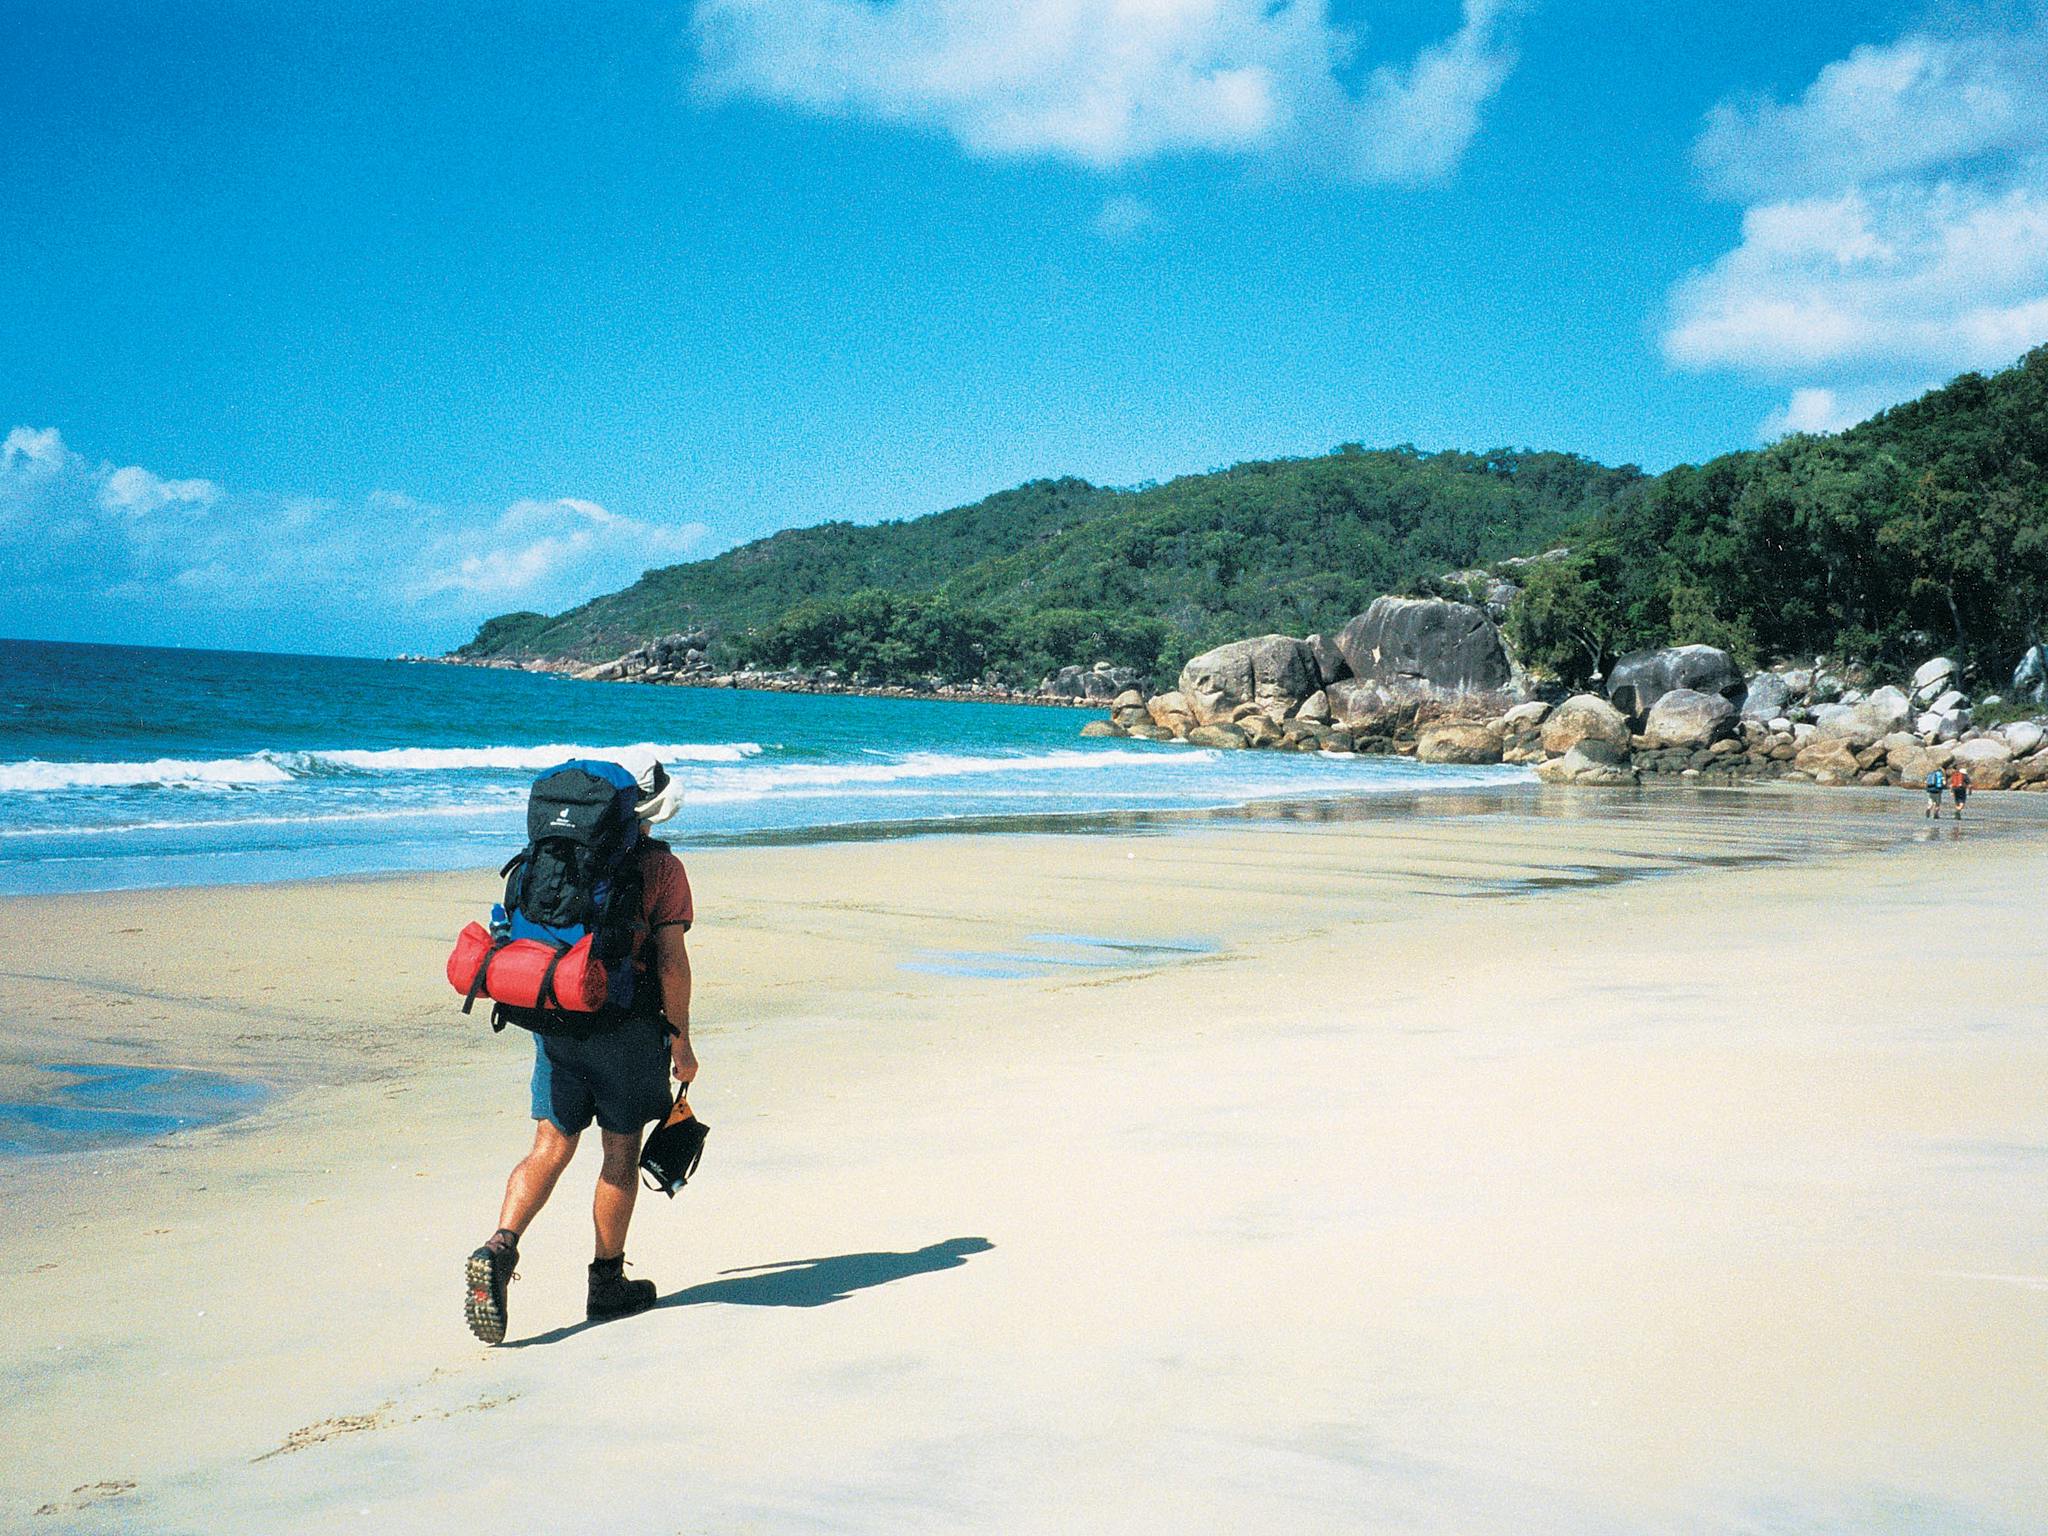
514,973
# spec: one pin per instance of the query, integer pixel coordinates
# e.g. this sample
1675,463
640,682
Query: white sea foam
489,810
170,772
771,778
471,759
261,768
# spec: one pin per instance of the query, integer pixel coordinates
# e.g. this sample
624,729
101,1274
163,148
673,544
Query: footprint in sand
379,1417
88,1494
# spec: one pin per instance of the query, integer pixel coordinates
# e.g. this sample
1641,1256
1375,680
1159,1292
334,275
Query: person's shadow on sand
802,1282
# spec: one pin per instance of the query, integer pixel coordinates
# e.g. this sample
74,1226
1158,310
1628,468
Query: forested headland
1926,526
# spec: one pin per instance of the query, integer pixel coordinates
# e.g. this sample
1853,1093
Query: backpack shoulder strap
514,871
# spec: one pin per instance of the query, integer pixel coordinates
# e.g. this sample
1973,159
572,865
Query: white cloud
533,543
1897,230
1818,410
136,491
32,451
1111,82
1417,120
1940,277
1921,103
260,569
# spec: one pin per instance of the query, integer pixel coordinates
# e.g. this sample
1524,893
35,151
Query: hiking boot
613,1295
485,1275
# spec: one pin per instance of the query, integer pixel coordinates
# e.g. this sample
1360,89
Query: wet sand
1574,1162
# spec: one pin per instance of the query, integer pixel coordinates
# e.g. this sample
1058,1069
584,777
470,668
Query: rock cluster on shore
1431,679
682,660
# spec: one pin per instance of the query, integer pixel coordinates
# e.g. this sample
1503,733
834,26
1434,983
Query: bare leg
617,1183
534,1179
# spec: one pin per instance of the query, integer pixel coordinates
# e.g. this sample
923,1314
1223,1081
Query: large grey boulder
1828,761
1861,724
1932,679
1936,726
1987,760
1767,697
2023,736
1686,717
1583,717
1331,666
1224,736
1170,712
1979,750
1368,707
1425,646
2030,677
1641,678
1275,672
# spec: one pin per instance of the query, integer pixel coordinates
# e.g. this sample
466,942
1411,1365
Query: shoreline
1385,803
1136,817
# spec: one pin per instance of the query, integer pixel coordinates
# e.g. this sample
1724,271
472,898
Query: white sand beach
1667,1162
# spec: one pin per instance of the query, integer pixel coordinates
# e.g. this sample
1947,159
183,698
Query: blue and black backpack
579,874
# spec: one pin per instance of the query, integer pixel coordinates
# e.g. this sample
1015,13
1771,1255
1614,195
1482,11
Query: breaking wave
263,768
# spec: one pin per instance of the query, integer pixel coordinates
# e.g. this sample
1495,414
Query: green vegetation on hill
1925,529
1059,571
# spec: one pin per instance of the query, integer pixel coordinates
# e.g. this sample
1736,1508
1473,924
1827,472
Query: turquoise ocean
124,767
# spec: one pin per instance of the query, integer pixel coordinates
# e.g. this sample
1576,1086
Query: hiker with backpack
587,952
1936,782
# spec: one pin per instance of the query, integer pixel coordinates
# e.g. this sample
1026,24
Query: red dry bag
525,973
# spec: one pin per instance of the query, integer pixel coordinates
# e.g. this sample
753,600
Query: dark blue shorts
619,1077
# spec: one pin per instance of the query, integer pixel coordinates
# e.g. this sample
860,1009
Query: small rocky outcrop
1641,678
1101,681
671,657
1592,762
1427,647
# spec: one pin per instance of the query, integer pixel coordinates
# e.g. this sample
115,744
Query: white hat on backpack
660,796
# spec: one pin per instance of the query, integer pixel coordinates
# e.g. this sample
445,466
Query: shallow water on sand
78,1106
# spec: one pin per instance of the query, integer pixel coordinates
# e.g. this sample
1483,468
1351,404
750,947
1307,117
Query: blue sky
340,328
